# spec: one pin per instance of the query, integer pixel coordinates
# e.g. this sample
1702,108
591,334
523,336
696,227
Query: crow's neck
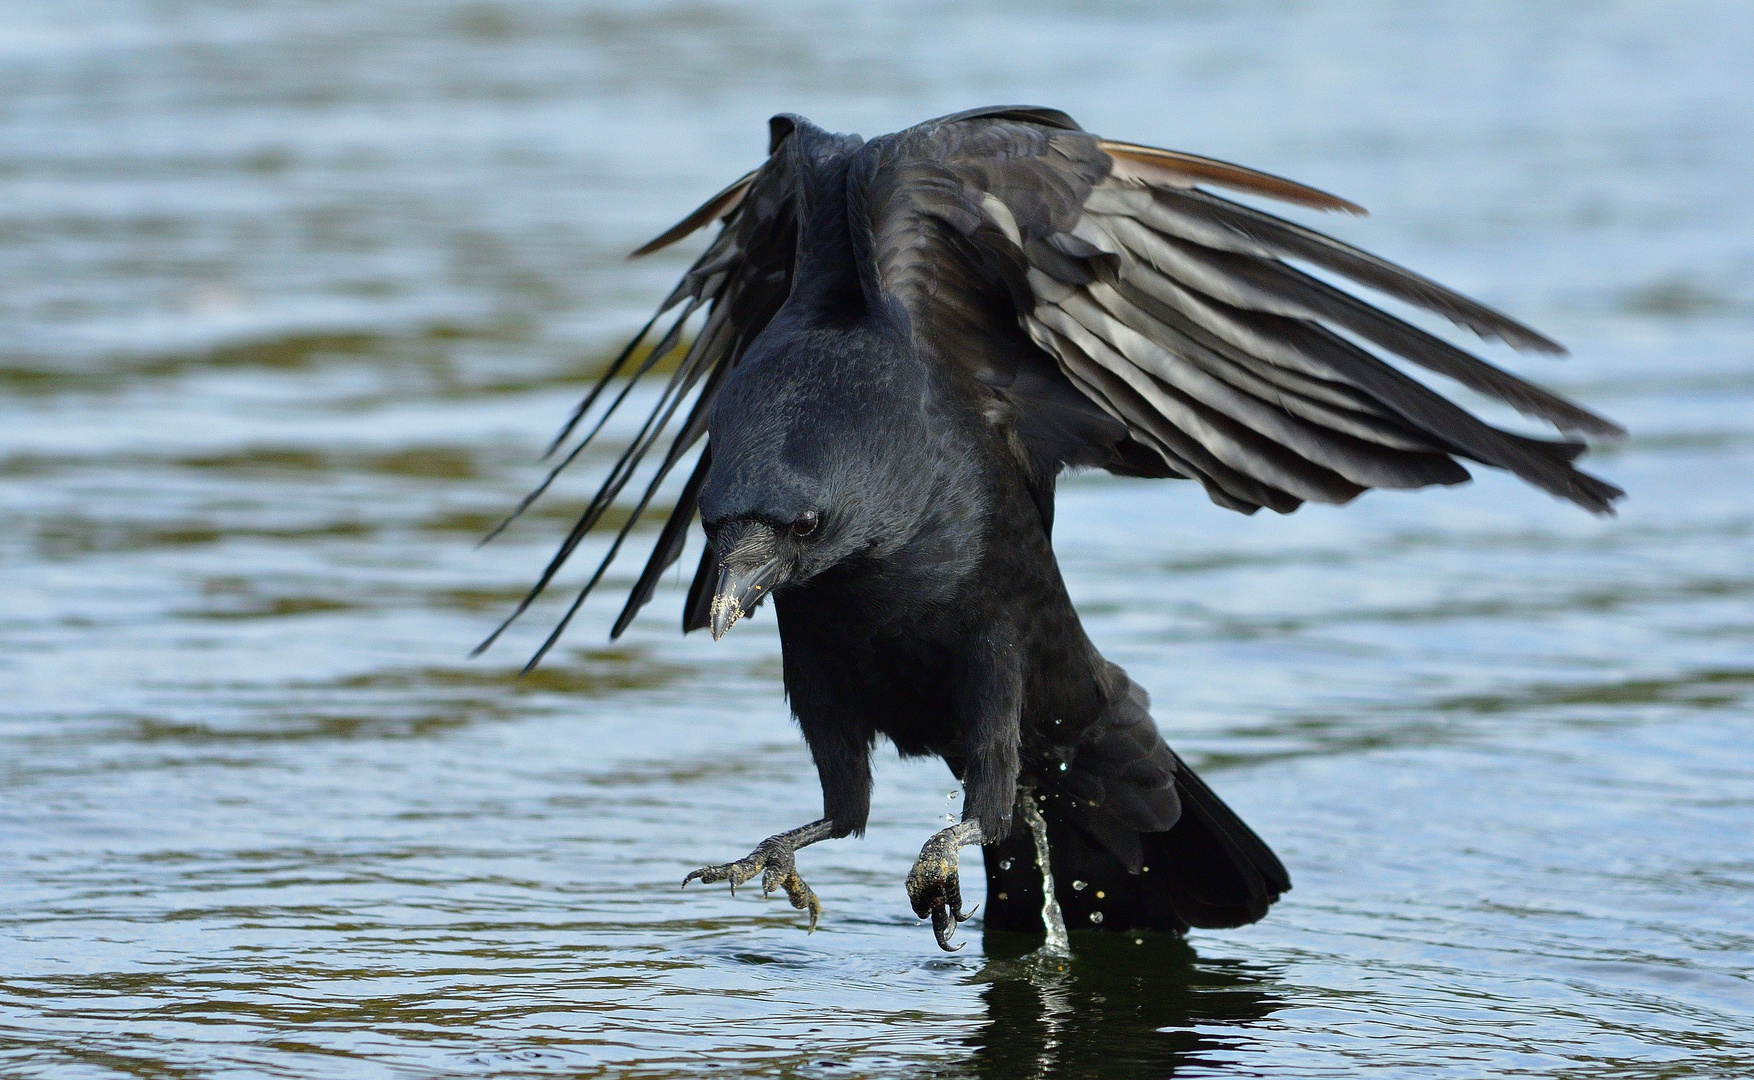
825,282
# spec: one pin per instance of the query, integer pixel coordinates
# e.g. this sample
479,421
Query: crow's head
756,557
815,463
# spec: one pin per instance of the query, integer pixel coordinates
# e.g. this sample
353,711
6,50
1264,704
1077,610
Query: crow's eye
806,523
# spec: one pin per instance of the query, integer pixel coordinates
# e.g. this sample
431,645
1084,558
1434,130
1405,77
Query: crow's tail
1137,841
1209,870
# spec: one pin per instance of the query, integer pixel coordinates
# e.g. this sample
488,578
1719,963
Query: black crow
906,341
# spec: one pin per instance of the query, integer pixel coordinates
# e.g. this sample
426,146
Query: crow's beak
739,590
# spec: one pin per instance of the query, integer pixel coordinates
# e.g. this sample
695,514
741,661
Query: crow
906,341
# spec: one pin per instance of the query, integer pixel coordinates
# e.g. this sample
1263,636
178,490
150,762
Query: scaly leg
932,884
773,860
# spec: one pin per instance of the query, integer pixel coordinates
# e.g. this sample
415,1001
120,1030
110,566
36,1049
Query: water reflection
1122,1006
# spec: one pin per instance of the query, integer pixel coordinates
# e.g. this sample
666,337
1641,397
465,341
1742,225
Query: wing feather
1171,168
718,206
1120,314
1177,311
1224,225
1231,442
1324,436
1096,310
1269,285
740,280
1226,486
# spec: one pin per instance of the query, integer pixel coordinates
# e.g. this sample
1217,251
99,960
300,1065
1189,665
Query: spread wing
740,281
1010,235
1119,314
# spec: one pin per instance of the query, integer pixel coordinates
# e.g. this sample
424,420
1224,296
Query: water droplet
1057,721
1004,896
1136,941
1096,917
1079,886
1063,766
1100,895
1004,864
1144,869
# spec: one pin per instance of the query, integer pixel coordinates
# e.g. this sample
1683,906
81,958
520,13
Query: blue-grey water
292,294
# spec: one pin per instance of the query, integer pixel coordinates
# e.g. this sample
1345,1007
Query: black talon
944,925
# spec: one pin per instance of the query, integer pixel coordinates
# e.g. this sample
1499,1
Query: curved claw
934,887
774,875
943,925
945,920
773,860
736,873
804,899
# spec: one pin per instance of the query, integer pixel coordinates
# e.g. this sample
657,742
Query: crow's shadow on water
1123,1006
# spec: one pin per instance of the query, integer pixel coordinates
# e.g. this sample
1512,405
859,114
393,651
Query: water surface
294,294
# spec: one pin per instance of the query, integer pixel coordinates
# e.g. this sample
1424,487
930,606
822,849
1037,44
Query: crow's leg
773,860
989,692
933,886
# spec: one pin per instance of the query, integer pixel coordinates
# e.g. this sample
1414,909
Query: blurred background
292,295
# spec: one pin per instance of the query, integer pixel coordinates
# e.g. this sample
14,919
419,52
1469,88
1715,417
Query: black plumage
906,340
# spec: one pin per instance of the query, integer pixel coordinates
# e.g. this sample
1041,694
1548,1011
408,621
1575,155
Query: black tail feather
1209,870
1218,873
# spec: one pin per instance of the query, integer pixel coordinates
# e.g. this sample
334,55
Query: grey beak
738,592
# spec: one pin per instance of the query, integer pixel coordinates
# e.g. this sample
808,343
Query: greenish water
294,294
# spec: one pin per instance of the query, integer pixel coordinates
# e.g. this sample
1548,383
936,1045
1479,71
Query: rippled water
293,294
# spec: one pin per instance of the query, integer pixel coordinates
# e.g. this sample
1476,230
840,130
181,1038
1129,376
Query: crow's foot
775,861
933,886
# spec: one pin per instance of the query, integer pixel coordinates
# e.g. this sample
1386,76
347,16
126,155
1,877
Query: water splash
1057,943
